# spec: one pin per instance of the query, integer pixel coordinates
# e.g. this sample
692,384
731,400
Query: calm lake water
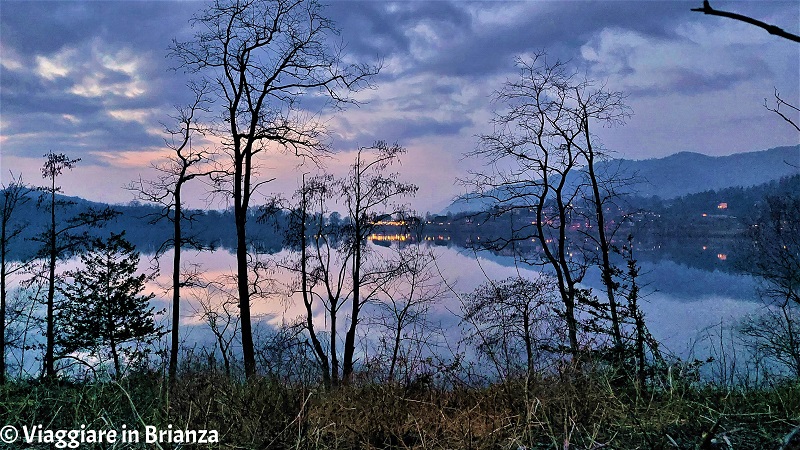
683,305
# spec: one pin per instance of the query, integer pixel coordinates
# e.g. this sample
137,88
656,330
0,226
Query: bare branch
771,29
781,102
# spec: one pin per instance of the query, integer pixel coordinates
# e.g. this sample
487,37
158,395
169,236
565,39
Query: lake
682,304
685,302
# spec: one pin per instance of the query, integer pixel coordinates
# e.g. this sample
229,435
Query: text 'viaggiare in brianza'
74,438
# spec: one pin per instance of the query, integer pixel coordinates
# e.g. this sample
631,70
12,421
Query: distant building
723,205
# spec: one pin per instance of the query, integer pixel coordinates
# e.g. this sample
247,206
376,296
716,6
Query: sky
92,79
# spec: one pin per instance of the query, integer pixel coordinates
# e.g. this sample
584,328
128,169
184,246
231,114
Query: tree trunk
605,247
350,337
572,323
49,363
792,335
176,285
115,356
567,287
526,328
398,334
248,352
241,199
335,380
3,302
307,299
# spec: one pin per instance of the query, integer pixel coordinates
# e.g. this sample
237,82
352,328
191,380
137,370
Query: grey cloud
26,94
46,27
35,109
79,135
560,28
695,82
421,127
404,130
379,28
470,54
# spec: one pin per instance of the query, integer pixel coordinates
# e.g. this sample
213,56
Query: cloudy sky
91,79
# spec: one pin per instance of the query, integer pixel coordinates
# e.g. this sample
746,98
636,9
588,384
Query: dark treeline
214,228
671,224
673,230
724,212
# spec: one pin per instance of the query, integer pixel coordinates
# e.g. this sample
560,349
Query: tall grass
586,407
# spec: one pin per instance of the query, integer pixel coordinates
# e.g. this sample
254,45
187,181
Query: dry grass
570,410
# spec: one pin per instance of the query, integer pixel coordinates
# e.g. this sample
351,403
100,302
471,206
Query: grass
568,410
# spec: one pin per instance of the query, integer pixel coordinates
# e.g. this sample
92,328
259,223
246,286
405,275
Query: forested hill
733,201
209,227
686,173
724,211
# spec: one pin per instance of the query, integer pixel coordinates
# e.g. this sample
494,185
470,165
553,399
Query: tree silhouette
180,168
62,237
335,264
105,312
540,163
774,259
515,322
262,58
14,195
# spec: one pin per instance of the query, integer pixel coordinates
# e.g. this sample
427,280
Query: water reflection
680,300
687,289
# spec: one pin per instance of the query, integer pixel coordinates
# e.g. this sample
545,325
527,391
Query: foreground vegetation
571,408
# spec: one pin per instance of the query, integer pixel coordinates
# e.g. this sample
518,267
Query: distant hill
688,173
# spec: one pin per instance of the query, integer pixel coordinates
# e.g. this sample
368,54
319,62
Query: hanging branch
778,102
771,29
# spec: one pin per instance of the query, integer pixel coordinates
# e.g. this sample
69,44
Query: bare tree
404,303
28,297
219,310
599,105
15,194
263,58
185,163
322,271
541,161
312,196
283,353
774,333
61,238
515,323
334,265
775,255
367,193
780,102
20,322
775,259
